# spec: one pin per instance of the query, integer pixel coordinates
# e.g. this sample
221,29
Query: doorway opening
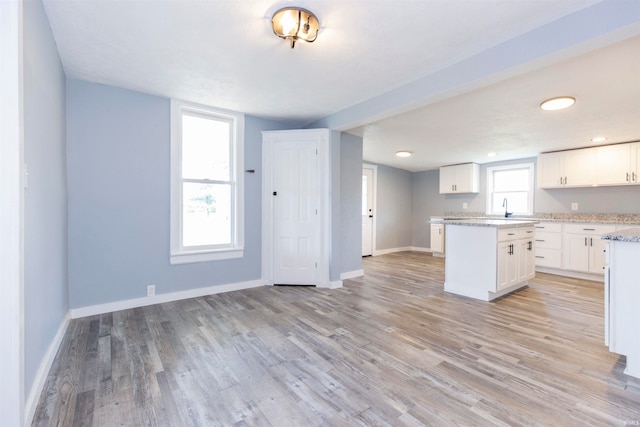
369,190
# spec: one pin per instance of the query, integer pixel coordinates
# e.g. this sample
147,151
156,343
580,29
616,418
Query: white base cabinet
487,262
622,298
548,243
583,250
437,239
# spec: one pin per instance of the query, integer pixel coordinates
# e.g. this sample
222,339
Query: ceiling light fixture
491,154
598,139
558,103
403,153
295,23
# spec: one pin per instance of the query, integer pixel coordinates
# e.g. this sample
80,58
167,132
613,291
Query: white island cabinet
622,297
488,258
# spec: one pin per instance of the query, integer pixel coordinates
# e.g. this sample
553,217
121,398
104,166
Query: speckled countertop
485,222
627,235
631,219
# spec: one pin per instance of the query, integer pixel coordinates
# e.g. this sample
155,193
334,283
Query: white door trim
374,169
11,216
324,172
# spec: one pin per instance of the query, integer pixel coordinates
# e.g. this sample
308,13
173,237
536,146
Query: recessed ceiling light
491,154
557,103
598,139
403,153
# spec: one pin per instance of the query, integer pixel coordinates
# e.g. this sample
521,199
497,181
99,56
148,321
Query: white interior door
367,211
295,202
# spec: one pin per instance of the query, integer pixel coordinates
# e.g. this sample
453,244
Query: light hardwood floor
390,348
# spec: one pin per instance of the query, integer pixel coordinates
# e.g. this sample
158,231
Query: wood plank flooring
390,348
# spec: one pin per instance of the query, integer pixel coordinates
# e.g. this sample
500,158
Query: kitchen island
488,258
622,297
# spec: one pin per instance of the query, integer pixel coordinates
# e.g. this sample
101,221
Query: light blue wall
45,212
351,202
393,208
118,172
426,203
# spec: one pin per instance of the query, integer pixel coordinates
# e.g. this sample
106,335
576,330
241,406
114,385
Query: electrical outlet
574,206
151,290
465,205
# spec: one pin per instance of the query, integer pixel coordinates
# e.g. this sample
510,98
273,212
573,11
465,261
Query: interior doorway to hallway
369,189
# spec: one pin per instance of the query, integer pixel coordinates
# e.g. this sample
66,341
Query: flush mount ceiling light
403,153
598,139
295,23
558,103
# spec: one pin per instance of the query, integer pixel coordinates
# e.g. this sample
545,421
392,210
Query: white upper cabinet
464,178
578,168
615,164
566,169
607,165
550,170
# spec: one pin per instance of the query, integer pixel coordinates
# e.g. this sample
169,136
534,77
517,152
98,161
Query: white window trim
178,255
489,187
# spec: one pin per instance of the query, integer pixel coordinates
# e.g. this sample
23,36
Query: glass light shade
557,103
294,23
403,153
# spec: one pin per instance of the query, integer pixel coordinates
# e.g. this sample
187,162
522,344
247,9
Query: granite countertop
486,222
623,219
627,235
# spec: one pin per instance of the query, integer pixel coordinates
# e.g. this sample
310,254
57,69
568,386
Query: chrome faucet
507,214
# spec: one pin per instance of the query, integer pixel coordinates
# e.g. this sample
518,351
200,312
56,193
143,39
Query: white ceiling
223,53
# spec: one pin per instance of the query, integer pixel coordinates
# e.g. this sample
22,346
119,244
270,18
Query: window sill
205,256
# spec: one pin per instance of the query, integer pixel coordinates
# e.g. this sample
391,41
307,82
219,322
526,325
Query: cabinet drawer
551,258
526,233
507,234
589,228
545,239
548,226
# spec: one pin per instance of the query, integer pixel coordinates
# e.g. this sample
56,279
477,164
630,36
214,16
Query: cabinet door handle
585,241
590,241
539,256
530,246
627,176
539,240
589,229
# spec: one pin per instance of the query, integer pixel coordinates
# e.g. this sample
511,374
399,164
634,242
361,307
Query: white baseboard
43,371
574,274
403,249
420,249
351,274
160,298
390,251
335,284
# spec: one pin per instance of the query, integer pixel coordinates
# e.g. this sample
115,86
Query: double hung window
513,184
206,183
